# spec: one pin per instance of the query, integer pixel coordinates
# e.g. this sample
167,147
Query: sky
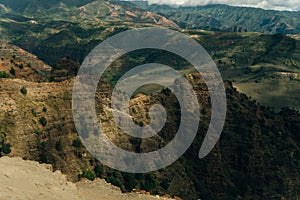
265,4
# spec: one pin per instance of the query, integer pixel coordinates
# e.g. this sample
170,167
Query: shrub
130,181
43,121
12,71
37,132
150,182
77,143
139,176
4,75
44,158
33,112
44,109
135,141
164,184
6,148
59,145
23,90
88,174
98,171
114,180
203,111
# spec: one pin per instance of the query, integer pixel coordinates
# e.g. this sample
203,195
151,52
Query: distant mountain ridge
210,17
229,18
76,11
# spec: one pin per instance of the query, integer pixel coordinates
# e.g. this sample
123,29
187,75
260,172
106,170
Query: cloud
265,4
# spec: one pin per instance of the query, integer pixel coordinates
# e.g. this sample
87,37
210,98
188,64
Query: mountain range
229,18
257,52
211,17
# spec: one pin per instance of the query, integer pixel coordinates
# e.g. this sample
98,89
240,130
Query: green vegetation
38,132
150,182
43,121
34,113
90,175
4,74
12,71
59,145
44,109
23,90
258,154
246,58
129,181
6,148
135,141
77,143
164,184
113,179
233,19
98,171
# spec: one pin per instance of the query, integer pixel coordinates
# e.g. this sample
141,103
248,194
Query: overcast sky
266,4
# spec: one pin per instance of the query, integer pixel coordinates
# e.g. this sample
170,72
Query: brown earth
29,180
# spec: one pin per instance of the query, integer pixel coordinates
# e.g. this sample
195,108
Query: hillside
88,12
230,19
255,62
17,63
257,156
257,144
28,180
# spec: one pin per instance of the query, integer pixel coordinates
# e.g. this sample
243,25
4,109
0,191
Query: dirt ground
29,180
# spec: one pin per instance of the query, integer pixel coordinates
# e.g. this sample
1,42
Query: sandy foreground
29,180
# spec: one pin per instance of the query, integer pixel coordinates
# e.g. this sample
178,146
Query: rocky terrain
18,63
257,145
257,157
57,30
30,180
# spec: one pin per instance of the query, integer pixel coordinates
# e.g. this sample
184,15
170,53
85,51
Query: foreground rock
29,180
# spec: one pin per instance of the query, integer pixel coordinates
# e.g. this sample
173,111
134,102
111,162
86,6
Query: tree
77,143
23,90
12,71
130,181
44,109
6,148
114,180
59,145
4,75
88,174
150,182
98,171
203,111
43,121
